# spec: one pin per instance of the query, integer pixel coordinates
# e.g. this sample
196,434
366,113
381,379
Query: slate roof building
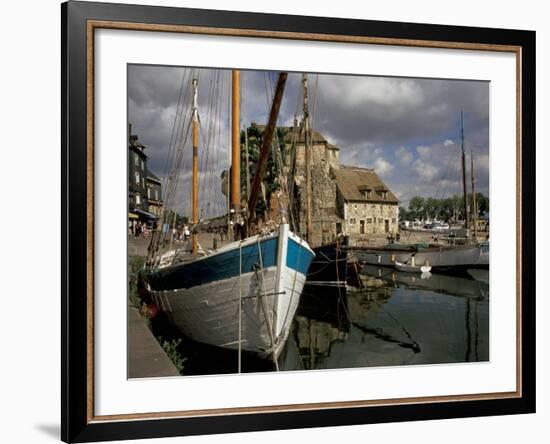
365,202
154,194
137,173
144,187
345,199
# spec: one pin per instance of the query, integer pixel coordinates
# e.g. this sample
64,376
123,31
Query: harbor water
394,319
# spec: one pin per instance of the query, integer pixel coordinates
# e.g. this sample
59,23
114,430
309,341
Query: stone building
346,199
364,202
324,160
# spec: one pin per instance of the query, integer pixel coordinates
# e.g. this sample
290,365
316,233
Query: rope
264,307
240,305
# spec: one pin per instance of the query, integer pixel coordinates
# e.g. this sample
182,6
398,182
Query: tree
404,213
179,219
432,208
416,207
271,177
447,209
482,203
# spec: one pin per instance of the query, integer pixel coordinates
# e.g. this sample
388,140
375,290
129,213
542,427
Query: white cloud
448,142
482,162
389,124
424,151
372,91
425,171
403,155
382,166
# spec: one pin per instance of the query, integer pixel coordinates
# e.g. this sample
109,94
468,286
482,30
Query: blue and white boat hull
265,273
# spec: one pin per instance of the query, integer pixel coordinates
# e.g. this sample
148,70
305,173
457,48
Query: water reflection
395,318
321,320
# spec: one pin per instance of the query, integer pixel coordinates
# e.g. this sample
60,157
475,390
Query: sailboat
442,258
243,295
329,266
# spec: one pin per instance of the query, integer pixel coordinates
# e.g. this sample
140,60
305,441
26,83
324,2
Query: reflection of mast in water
471,290
366,304
472,341
314,340
468,331
321,320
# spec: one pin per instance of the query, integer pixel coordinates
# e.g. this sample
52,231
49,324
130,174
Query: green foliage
169,217
171,348
135,267
482,203
447,209
271,177
416,207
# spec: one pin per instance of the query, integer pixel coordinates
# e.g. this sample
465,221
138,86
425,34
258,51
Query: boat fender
149,310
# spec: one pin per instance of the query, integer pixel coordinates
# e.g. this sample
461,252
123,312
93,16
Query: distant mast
465,191
308,160
195,187
235,208
474,198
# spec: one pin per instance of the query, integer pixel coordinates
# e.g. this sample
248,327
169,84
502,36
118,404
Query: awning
132,216
145,214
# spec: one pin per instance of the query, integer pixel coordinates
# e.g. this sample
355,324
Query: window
367,194
352,221
137,178
394,220
138,199
142,165
148,193
156,194
369,220
380,220
136,159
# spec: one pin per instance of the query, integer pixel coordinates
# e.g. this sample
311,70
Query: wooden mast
465,191
307,150
267,139
195,187
474,197
235,207
246,159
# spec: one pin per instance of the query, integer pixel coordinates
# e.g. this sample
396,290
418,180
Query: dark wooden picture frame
79,20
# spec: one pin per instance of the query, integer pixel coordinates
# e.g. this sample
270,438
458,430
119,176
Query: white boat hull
209,313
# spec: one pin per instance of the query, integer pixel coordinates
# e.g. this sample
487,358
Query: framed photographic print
277,221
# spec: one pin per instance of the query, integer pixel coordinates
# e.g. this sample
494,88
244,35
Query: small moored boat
412,268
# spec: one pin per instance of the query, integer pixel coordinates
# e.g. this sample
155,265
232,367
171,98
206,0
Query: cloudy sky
407,129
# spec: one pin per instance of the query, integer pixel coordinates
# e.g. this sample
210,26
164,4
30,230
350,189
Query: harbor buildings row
144,187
